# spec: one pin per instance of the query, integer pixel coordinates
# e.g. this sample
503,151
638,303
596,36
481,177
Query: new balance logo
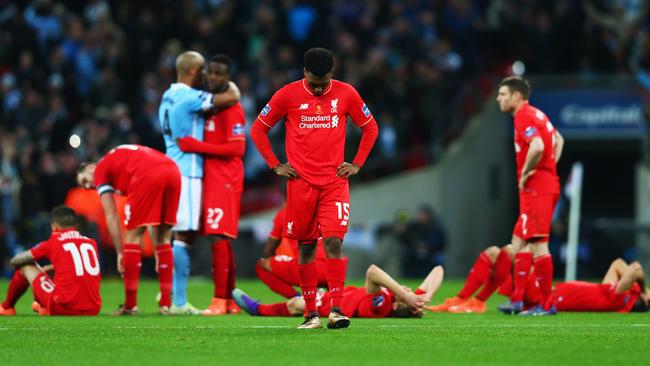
290,227
304,106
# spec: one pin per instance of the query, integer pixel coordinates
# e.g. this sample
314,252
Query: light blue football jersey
181,115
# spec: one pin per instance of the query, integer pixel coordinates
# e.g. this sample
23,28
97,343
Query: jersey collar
327,90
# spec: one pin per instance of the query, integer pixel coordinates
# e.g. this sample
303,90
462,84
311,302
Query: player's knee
618,262
492,252
333,245
372,268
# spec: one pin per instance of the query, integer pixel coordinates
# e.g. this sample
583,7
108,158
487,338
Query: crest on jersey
365,110
211,125
530,131
334,104
319,108
290,227
238,129
266,110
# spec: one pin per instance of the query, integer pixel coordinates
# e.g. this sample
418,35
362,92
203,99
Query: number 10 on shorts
343,210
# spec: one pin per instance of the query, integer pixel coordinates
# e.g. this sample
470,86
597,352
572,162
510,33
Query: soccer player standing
75,289
318,196
151,181
181,114
538,147
223,183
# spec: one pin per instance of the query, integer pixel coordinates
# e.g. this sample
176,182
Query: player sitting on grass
381,297
75,290
491,271
280,271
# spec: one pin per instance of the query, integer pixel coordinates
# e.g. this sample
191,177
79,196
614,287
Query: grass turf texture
437,339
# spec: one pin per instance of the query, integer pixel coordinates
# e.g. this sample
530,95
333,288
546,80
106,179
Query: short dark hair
318,61
224,59
517,84
82,167
64,217
404,311
639,306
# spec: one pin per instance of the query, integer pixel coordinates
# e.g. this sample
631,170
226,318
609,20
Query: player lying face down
381,297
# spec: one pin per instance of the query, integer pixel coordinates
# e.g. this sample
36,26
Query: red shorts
221,213
153,198
286,268
44,292
535,214
314,212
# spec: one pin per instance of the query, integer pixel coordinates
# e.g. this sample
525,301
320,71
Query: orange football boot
7,312
473,305
218,306
232,307
452,301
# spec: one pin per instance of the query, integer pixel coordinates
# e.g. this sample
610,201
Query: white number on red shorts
524,220
343,210
84,258
127,214
214,217
47,285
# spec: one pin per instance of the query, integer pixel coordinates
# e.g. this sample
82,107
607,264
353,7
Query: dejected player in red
538,147
151,181
75,289
318,197
280,271
622,290
380,297
223,171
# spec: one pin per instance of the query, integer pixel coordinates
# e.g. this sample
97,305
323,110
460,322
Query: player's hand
524,179
347,170
120,264
286,170
417,302
184,143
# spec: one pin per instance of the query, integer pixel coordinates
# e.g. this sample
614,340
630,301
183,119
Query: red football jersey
316,126
278,224
530,122
587,296
224,173
125,165
356,302
76,267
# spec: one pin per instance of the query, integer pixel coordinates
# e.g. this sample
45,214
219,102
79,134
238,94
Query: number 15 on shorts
343,210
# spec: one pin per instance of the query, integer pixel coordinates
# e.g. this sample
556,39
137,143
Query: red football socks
336,269
165,272
220,267
132,261
477,276
231,271
279,309
523,264
308,284
544,272
17,287
500,271
274,282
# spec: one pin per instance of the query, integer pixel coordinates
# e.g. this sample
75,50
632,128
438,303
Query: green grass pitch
437,339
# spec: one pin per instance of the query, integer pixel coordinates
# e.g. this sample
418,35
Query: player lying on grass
381,297
279,271
75,290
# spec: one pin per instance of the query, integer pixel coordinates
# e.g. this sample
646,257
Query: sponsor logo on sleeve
265,110
530,131
238,129
365,110
377,301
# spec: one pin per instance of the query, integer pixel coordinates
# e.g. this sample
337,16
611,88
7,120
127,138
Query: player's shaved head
517,84
187,62
64,217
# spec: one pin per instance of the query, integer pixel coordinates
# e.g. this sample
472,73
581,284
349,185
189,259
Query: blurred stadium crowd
97,69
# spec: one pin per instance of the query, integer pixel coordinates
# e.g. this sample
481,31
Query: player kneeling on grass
75,290
381,297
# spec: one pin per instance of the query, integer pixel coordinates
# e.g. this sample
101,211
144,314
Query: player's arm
22,259
270,246
559,146
634,273
229,149
268,117
113,224
228,98
361,117
376,278
535,152
432,283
